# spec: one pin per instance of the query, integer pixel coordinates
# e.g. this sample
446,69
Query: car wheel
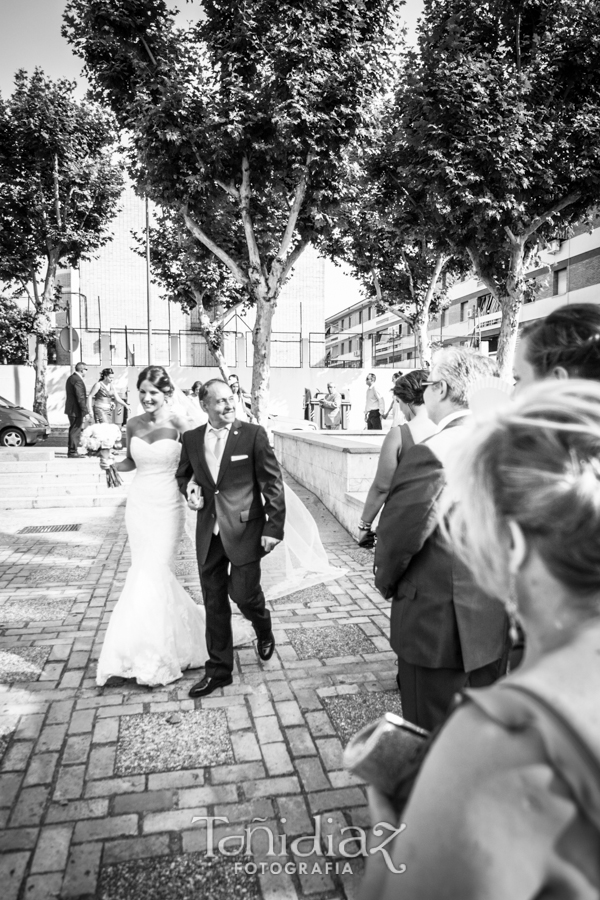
12,437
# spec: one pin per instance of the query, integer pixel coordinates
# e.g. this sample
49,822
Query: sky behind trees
30,36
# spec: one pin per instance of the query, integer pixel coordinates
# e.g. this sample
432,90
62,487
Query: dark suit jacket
439,617
76,403
236,497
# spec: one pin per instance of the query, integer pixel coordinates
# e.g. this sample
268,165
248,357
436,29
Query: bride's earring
512,610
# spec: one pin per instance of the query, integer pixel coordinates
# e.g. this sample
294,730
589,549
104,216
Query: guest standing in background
507,802
196,387
331,403
394,408
408,394
566,344
76,407
242,400
374,405
103,398
446,632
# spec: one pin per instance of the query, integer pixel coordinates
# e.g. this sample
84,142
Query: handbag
388,754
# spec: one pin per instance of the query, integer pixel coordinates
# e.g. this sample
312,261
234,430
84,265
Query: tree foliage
502,112
240,124
193,277
16,325
59,189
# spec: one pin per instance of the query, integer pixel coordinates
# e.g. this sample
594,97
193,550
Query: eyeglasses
425,384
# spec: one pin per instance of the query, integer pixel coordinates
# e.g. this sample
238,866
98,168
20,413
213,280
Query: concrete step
60,489
49,478
114,498
56,466
26,454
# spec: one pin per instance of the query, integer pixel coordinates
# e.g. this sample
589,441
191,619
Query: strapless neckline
151,444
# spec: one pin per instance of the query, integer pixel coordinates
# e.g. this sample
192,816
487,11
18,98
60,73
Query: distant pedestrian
374,405
103,398
76,407
398,417
331,403
195,390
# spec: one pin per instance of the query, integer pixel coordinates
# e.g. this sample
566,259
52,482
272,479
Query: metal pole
70,321
149,316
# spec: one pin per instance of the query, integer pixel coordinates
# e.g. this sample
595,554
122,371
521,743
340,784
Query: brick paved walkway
98,788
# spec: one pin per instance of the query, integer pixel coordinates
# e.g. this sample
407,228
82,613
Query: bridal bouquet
101,440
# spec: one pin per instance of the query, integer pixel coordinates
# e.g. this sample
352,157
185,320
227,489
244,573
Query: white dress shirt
211,440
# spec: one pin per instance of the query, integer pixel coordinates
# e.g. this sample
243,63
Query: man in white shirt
374,405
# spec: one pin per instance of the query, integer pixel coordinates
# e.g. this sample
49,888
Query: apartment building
358,336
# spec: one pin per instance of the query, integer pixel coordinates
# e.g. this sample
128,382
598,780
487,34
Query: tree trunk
511,304
40,394
207,330
261,371
507,339
422,339
44,328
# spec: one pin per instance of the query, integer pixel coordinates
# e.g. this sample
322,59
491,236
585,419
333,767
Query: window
464,307
409,354
400,330
342,348
360,315
349,346
370,313
560,281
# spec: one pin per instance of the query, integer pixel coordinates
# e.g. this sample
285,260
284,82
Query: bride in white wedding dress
156,630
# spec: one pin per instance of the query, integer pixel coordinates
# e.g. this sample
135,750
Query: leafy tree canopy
59,189
502,112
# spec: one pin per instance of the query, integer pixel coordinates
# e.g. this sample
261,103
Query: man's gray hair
461,368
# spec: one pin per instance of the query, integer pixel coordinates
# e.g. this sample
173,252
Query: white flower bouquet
101,440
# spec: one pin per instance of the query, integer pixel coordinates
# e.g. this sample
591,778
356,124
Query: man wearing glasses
76,407
446,632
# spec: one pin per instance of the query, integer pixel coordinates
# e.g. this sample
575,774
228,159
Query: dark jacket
248,470
439,617
76,403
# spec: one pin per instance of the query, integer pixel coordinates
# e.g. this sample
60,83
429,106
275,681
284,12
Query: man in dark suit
76,407
446,632
229,467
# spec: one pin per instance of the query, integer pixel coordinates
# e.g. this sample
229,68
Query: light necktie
219,446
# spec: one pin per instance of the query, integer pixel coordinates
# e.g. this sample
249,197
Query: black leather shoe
266,646
207,685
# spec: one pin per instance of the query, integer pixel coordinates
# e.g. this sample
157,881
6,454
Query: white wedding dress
156,630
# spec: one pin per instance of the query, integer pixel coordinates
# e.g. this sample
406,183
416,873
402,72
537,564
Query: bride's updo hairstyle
157,376
537,464
569,338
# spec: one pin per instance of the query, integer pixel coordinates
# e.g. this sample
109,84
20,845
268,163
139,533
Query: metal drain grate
45,529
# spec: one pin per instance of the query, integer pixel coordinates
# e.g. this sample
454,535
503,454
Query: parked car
20,426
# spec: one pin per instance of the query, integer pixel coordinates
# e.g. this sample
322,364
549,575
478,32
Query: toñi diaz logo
331,860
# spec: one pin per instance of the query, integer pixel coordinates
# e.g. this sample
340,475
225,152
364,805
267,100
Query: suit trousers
374,420
75,423
426,694
220,580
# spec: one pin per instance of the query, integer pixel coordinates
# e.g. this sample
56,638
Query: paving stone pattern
105,793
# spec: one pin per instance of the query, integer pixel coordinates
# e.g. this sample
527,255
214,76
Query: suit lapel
234,434
202,454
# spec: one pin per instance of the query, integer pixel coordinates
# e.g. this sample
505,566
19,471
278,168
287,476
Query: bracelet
364,526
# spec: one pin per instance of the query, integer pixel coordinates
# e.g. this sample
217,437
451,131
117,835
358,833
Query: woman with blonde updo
507,803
